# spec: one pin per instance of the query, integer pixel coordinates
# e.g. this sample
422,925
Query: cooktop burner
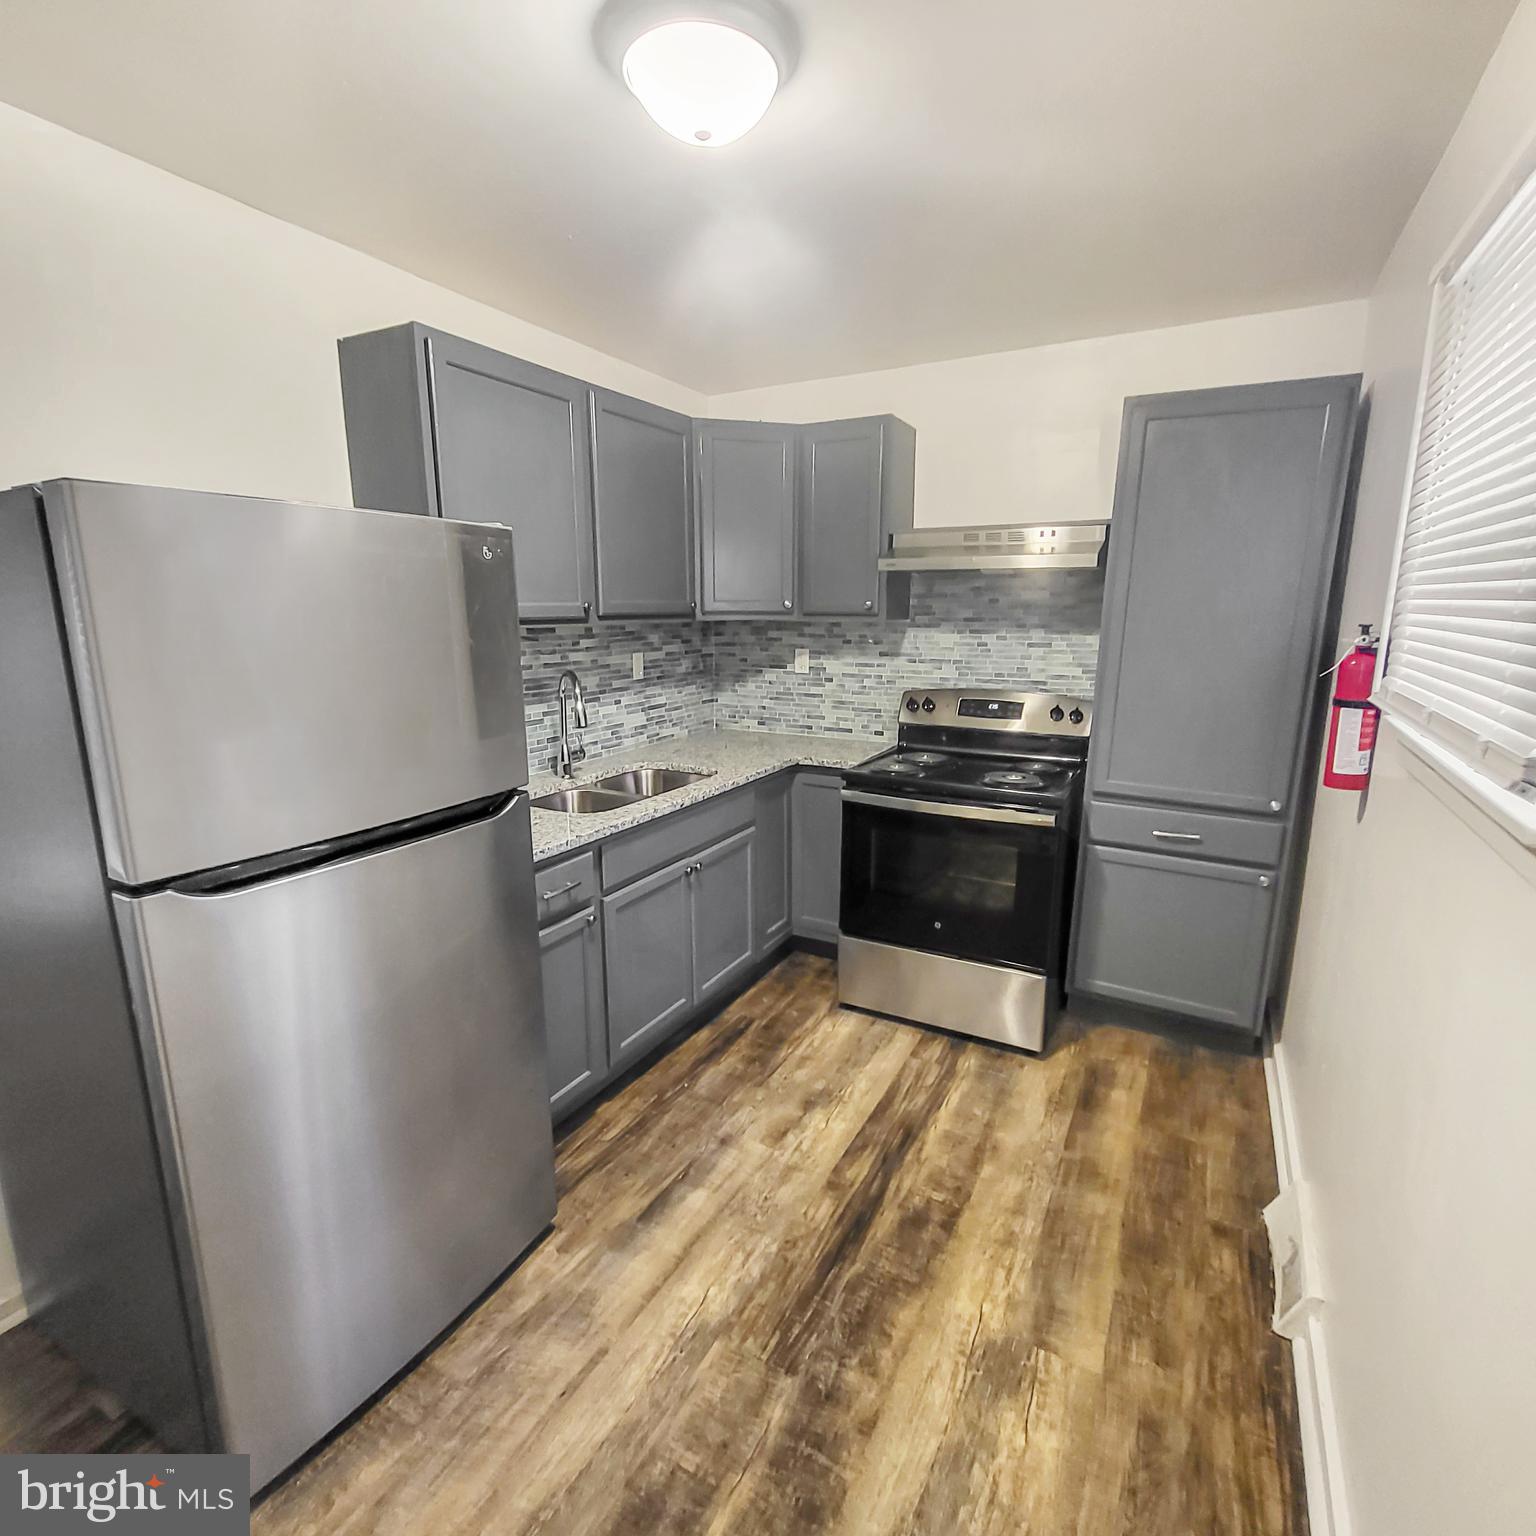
911,764
1014,778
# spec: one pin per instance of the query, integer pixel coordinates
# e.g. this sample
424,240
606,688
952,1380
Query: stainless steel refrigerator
273,1108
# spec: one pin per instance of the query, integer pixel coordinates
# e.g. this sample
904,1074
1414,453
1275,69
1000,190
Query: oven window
978,890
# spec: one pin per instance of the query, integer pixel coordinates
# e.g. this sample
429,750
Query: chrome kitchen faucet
570,695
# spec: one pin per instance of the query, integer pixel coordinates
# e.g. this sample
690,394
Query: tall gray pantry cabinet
1223,558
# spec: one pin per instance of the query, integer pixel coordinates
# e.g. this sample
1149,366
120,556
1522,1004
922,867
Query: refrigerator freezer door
352,1064
258,675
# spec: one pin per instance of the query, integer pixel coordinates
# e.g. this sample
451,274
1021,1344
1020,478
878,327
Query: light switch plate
637,664
802,659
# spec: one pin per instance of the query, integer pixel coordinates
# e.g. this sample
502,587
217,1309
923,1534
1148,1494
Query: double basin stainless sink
618,790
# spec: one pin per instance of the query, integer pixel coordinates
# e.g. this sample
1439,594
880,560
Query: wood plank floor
818,1272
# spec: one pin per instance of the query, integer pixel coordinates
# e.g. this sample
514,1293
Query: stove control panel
991,709
1028,714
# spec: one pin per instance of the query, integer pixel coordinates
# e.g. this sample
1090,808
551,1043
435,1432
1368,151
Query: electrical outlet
637,665
802,659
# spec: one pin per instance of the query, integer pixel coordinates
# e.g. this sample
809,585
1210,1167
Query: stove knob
929,706
1057,712
1076,717
912,705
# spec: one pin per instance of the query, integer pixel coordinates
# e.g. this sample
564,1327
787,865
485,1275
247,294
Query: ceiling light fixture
705,70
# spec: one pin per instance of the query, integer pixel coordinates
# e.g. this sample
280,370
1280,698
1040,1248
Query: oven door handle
953,812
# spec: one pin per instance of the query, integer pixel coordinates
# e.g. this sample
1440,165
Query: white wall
1033,435
1409,1046
156,331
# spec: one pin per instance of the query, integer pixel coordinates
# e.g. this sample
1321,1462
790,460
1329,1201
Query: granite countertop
734,758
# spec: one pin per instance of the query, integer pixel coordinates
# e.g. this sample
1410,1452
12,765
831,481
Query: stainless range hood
995,547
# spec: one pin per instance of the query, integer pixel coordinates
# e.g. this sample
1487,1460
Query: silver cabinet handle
586,610
591,918
1177,837
560,890
789,602
949,810
1265,881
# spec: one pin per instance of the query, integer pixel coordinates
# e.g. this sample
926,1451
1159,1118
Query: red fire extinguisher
1352,724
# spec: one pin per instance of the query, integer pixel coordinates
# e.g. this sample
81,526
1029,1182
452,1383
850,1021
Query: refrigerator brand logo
82,1493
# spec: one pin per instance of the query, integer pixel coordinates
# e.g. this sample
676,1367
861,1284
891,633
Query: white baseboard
13,1310
1327,1508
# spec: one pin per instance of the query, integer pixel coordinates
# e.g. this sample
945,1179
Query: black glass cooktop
970,776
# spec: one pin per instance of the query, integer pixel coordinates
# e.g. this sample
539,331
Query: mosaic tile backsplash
1037,629
675,696
1017,630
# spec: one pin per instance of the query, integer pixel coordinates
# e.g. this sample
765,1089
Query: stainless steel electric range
958,863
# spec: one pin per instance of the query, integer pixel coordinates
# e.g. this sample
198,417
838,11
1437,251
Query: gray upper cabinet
817,814
642,507
575,1018
855,490
746,474
722,914
620,509
1225,528
440,425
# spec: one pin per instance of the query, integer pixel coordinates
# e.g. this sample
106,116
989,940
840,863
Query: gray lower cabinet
855,491
1181,935
673,940
771,865
817,818
722,914
746,475
648,946
442,426
575,1015
642,487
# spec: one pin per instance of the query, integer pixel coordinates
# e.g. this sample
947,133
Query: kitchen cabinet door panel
722,914
771,865
642,507
446,427
512,448
840,518
746,517
1226,519
817,814
1183,936
571,962
648,947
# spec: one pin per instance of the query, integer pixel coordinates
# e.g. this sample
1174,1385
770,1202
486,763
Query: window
1461,656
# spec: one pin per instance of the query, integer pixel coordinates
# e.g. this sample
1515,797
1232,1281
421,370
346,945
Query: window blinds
1461,657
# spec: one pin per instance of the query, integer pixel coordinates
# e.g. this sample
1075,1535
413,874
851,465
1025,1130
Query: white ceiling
939,177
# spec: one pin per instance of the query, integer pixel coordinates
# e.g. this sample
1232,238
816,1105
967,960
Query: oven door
970,881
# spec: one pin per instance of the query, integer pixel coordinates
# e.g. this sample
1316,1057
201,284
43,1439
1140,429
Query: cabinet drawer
1200,834
661,842
1181,935
566,887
